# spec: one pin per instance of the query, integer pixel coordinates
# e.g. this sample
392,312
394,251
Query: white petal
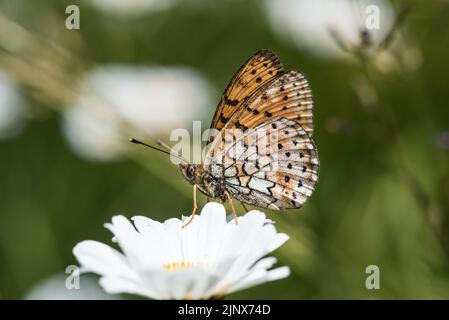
249,242
265,263
233,278
277,241
173,240
253,216
146,225
124,232
203,286
248,226
190,243
115,285
99,258
182,283
261,276
210,230
213,208
153,235
194,283
129,240
264,242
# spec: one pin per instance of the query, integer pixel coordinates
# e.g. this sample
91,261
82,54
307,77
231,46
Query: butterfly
262,152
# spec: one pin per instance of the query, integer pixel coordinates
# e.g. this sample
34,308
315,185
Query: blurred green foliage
383,192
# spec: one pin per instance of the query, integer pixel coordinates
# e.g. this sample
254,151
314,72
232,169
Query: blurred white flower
306,23
132,7
54,288
209,258
118,101
12,108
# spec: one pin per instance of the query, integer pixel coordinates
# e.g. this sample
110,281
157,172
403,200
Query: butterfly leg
194,208
232,206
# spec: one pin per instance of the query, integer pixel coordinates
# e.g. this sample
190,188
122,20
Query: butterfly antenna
163,144
135,141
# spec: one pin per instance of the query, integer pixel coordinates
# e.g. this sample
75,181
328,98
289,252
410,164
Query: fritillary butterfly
278,171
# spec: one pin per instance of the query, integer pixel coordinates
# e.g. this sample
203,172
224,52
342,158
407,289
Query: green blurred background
381,126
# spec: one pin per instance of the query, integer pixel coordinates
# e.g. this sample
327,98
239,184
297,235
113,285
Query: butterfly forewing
259,70
288,96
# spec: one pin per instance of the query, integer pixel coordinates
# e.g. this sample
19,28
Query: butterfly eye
190,172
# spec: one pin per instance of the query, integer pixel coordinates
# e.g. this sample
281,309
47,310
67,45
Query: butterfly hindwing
259,70
274,165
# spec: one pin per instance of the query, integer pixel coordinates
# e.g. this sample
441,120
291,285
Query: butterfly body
262,152
212,187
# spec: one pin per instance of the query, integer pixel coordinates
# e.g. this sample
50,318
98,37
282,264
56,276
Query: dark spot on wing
231,102
240,126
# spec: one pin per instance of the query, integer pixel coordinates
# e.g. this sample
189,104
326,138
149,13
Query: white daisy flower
307,23
209,258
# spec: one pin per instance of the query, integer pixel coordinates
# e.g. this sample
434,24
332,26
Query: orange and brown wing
288,96
260,69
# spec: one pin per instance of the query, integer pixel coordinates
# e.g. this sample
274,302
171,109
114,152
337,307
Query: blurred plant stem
39,64
52,74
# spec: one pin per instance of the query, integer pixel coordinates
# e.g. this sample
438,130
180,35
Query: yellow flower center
172,266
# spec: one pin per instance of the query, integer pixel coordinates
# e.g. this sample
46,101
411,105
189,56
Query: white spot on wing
230,172
260,185
216,170
250,167
233,180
